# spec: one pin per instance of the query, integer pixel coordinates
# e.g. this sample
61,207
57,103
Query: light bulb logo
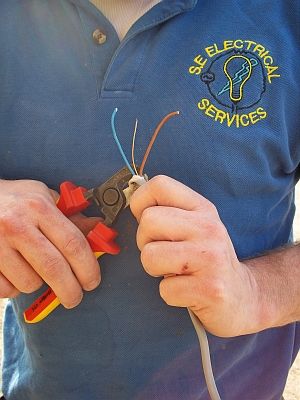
237,74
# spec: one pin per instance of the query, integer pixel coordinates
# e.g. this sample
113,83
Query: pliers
111,197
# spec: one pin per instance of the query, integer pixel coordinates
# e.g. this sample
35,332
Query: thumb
54,195
165,191
85,224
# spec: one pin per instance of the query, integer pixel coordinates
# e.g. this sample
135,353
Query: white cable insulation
134,183
205,356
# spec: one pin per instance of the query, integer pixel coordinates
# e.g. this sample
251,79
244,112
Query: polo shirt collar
163,11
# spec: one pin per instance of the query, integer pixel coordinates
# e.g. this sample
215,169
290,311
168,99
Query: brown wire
154,136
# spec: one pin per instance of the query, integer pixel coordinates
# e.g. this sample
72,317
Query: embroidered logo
236,75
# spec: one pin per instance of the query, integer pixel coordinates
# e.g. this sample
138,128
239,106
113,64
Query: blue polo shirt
232,69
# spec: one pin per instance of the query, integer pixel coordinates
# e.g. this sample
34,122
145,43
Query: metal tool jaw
111,196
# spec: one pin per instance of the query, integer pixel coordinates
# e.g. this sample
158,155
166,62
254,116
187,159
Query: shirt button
99,36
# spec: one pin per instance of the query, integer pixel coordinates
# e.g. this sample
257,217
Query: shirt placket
116,65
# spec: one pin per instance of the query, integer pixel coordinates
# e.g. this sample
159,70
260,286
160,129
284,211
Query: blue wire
117,141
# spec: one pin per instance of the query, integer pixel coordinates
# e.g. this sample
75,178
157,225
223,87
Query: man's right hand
38,243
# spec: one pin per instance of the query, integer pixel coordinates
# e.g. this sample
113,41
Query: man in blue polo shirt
232,70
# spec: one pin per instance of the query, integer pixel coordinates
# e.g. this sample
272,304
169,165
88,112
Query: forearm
277,277
183,240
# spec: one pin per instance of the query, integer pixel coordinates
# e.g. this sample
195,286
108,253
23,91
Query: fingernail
75,302
92,285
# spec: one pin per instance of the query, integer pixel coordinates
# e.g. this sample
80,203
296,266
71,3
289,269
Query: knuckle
52,267
141,237
212,208
75,245
147,216
10,224
37,203
8,291
220,231
215,291
158,181
164,292
138,238
147,258
214,229
41,186
134,204
30,286
7,220
32,184
34,187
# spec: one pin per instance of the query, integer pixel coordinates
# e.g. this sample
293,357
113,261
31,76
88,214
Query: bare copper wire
154,136
132,147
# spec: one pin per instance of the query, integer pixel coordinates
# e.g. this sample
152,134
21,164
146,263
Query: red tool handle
71,200
101,239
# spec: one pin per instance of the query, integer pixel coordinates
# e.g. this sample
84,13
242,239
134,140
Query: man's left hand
183,240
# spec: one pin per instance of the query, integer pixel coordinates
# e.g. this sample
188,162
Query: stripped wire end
154,136
133,168
113,127
133,146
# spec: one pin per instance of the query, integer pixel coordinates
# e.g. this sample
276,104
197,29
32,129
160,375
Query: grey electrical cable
205,356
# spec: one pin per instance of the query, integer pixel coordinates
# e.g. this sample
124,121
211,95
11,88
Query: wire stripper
111,197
